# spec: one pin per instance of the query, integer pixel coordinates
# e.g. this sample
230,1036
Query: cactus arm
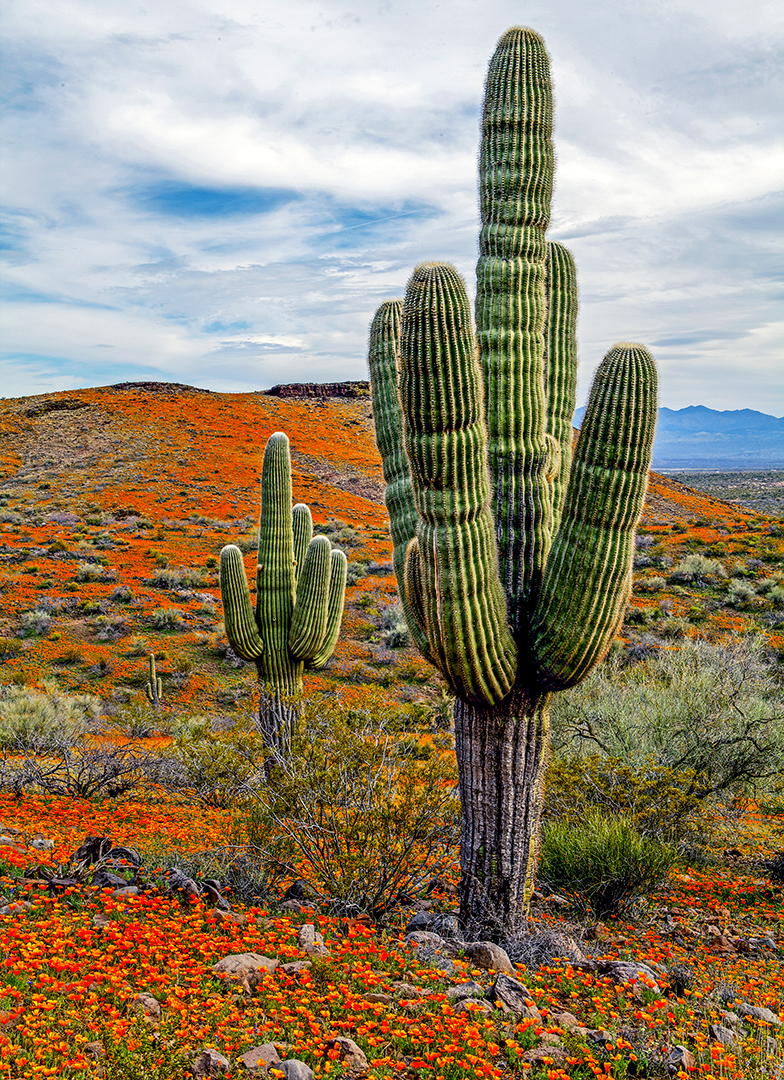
588,578
560,366
239,619
440,386
302,527
382,355
337,592
515,184
309,619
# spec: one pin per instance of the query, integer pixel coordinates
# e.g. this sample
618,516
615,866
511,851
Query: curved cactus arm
309,619
440,385
588,579
560,366
337,592
302,528
239,619
516,168
382,357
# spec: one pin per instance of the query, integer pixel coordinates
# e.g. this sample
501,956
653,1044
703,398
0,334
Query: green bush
714,709
213,766
602,864
697,570
359,812
658,801
39,720
183,577
162,618
35,623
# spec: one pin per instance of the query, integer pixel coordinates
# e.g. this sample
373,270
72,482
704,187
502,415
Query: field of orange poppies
114,505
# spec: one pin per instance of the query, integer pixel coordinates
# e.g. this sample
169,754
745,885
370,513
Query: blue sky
221,193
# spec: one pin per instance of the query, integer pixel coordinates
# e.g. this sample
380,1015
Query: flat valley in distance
761,490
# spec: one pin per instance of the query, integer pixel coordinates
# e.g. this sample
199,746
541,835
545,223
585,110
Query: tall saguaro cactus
300,589
513,555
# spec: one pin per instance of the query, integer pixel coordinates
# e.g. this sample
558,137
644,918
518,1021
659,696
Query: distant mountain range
700,438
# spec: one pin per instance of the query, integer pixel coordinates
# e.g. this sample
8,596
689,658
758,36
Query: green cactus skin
154,688
518,553
300,590
445,442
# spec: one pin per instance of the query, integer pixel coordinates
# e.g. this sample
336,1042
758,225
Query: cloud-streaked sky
220,192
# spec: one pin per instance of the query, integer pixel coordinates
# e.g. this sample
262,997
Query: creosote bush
362,815
602,864
39,720
711,710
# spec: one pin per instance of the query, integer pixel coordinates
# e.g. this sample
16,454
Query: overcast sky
220,192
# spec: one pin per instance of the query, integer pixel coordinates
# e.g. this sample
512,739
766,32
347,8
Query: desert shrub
9,647
35,623
249,542
602,864
658,801
93,571
356,570
137,719
362,818
713,709
213,766
339,533
697,570
110,627
776,596
672,628
37,720
162,618
740,593
394,628
85,771
183,577
123,594
651,584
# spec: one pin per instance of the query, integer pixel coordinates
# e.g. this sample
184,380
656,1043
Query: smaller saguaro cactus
154,688
300,589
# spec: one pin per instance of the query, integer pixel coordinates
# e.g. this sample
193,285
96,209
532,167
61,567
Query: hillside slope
116,501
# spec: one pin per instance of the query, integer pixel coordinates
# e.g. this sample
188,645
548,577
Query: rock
422,920
755,1013
474,1005
491,957
293,1069
546,1055
210,1063
101,920
408,990
599,1036
298,890
351,1055
179,882
235,918
94,1049
425,937
463,991
445,924
512,994
680,1059
724,1035
546,946
129,890
147,1006
19,907
378,999
210,889
295,966
566,1020
247,969
308,935
257,1059
623,971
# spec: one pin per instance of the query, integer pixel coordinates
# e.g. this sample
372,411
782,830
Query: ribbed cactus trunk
513,557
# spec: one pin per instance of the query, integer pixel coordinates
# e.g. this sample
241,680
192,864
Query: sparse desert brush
35,720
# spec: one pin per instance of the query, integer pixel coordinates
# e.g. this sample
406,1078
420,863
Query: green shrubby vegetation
40,720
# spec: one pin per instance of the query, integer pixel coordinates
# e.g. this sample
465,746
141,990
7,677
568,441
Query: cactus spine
154,688
300,588
513,557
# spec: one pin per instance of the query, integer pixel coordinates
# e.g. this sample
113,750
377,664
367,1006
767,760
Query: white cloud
668,148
